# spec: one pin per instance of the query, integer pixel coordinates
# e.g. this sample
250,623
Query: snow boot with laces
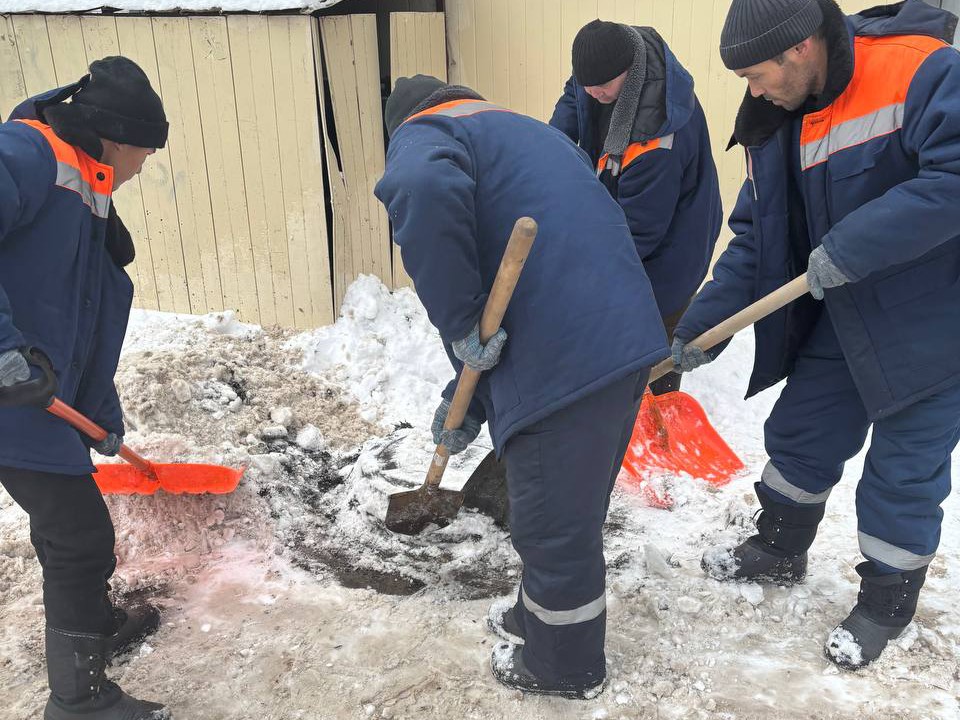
79,689
885,606
777,553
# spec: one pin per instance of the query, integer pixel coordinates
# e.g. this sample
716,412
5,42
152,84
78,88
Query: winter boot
777,553
504,622
79,689
508,668
133,625
885,606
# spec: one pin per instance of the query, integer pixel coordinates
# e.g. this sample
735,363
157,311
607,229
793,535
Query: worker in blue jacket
852,133
566,372
64,303
631,106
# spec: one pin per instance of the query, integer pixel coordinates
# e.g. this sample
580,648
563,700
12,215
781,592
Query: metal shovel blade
412,511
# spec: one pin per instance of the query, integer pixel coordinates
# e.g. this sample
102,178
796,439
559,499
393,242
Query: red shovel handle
95,432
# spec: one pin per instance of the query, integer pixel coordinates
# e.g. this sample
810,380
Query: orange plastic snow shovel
672,433
412,511
143,477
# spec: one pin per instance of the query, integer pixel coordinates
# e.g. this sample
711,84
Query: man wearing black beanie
562,379
631,107
852,133
64,294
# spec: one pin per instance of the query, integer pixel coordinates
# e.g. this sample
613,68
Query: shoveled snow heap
288,598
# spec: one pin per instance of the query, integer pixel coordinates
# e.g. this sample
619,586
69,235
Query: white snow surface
272,595
69,6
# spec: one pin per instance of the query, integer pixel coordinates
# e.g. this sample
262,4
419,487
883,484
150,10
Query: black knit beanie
601,51
118,103
759,30
407,94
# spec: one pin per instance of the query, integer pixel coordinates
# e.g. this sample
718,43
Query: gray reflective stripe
467,108
877,549
566,617
853,132
666,142
71,179
772,478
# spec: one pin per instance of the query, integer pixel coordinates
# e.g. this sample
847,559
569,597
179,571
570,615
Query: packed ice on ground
289,598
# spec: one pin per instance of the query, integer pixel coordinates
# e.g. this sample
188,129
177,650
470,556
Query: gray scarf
625,109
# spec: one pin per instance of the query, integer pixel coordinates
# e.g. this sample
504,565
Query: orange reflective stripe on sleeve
873,103
78,172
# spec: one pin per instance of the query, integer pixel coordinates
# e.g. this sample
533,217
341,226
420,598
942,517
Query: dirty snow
289,599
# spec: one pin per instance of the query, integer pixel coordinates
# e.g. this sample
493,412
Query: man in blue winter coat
64,292
631,106
562,393
852,131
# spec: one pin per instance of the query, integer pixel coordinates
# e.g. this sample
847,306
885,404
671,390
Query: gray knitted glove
477,356
458,440
109,446
13,368
687,357
822,273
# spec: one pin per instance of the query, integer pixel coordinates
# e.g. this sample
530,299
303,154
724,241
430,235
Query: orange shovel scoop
143,477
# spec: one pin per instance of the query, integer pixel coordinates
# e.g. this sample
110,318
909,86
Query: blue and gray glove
456,441
13,368
109,446
822,273
687,357
472,353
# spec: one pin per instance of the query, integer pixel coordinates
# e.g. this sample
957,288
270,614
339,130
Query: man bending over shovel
560,395
852,131
64,292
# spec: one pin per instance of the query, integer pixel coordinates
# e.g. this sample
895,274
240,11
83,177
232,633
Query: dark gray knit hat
759,30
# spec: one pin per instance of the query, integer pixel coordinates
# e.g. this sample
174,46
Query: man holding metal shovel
852,132
64,303
562,378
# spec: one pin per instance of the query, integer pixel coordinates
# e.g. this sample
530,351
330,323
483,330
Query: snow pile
292,590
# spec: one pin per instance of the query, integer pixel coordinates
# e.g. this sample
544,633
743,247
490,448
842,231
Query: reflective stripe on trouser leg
559,473
817,423
906,476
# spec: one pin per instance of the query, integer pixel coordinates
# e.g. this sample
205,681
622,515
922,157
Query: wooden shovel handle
514,257
95,432
743,319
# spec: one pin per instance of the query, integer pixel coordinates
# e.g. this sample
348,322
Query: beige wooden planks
291,47
310,161
157,183
224,161
187,161
12,88
416,46
350,46
258,135
36,56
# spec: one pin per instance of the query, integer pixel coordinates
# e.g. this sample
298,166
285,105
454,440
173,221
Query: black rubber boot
777,553
79,689
885,606
509,669
134,624
506,624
